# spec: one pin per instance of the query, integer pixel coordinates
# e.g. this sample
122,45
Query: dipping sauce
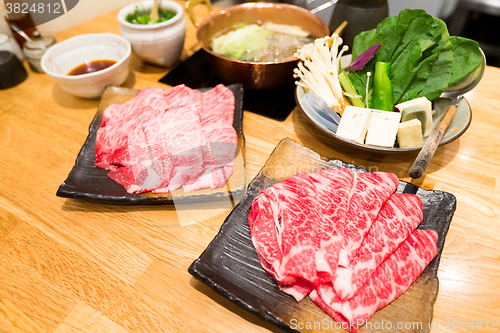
90,67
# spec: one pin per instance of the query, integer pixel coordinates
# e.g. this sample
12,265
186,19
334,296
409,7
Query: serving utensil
320,109
154,15
456,93
20,32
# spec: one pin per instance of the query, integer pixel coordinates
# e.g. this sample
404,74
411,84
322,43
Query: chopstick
340,28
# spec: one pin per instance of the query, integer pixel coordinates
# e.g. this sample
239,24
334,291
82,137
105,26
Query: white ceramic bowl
61,58
160,43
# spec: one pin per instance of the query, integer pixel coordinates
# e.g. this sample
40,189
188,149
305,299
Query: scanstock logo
35,12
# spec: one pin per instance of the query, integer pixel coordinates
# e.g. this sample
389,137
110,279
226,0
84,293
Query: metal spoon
456,93
154,15
20,32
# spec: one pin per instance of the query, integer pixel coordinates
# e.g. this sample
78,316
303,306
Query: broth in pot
265,42
264,75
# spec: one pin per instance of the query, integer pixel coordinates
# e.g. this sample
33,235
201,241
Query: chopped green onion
351,93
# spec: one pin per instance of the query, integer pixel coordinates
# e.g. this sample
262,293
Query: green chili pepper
382,97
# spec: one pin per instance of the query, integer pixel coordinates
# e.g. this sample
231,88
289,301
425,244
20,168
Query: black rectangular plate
230,264
86,181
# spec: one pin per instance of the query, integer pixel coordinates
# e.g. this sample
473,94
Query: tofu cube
410,134
426,105
383,128
354,123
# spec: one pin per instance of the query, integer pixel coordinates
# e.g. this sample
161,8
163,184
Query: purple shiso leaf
363,58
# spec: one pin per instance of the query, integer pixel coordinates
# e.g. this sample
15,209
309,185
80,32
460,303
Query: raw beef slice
221,140
332,187
129,146
156,140
392,278
118,120
300,226
139,158
369,192
298,218
184,144
399,216
283,228
263,221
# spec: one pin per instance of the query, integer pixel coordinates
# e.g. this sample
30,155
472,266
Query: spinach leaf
421,34
425,60
466,58
436,66
362,42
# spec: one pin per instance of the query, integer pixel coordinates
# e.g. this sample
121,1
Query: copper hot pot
262,75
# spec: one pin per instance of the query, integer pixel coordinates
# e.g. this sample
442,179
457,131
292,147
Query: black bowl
12,71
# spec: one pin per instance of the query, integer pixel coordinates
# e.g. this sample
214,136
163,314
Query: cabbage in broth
267,43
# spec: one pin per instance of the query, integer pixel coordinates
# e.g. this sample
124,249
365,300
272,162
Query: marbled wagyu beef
162,140
345,239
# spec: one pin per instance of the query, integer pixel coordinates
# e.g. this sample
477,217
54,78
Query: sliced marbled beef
156,141
333,188
302,225
297,226
263,221
221,140
392,278
368,193
283,229
399,216
183,132
112,138
158,134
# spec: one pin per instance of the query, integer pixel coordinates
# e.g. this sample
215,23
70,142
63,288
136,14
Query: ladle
456,93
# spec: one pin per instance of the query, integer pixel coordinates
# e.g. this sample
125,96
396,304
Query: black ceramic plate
230,264
86,181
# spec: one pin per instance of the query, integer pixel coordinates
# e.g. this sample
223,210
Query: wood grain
76,266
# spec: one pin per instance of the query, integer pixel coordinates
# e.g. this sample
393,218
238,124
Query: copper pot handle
190,5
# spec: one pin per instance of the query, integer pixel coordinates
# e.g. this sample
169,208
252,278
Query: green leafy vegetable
141,16
241,41
466,58
420,52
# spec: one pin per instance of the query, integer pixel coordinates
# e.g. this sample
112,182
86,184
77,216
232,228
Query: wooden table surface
76,266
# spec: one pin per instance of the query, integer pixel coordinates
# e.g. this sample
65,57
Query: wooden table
76,266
